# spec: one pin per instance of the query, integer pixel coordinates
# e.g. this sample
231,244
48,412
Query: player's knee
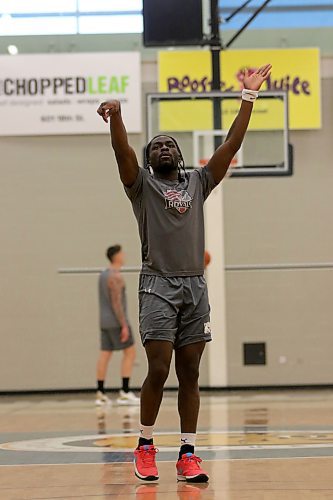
188,375
130,352
158,372
105,355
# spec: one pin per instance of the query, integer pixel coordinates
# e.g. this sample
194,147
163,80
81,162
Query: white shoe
102,399
128,398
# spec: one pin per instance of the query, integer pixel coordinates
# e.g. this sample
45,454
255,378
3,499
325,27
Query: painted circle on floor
169,441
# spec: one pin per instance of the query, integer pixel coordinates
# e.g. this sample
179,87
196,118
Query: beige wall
275,221
62,204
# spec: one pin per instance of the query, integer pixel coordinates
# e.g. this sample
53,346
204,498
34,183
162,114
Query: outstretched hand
109,108
256,79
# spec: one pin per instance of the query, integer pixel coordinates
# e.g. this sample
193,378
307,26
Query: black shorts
175,309
110,339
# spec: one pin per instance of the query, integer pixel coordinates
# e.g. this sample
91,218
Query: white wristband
249,95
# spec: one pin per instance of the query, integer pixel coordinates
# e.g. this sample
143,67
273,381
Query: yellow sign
294,70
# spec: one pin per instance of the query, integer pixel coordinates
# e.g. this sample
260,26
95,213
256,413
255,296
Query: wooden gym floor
255,446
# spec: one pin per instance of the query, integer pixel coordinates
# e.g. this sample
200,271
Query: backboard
189,118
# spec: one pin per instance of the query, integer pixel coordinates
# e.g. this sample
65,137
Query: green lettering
91,89
114,86
102,85
124,83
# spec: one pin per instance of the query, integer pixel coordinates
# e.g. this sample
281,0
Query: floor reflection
129,417
256,420
101,419
185,491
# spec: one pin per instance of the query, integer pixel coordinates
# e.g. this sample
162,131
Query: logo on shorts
180,200
207,329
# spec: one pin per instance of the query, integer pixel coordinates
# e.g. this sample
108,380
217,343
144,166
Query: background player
116,333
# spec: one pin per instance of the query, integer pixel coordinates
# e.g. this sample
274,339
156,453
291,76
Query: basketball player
116,334
174,309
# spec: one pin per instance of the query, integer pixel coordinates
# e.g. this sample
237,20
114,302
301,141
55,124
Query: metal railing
230,268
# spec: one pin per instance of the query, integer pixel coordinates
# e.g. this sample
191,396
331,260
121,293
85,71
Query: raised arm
221,159
125,155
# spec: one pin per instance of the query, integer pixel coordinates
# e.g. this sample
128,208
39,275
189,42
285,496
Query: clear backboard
189,118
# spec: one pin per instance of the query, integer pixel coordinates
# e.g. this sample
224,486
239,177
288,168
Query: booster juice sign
296,71
59,93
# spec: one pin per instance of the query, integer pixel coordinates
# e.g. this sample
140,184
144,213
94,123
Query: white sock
187,438
146,431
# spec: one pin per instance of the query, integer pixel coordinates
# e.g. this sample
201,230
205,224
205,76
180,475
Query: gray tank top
107,316
171,222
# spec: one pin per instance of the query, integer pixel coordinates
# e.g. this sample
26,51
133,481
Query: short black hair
112,251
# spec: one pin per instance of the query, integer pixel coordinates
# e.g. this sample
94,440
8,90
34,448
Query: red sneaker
188,469
144,463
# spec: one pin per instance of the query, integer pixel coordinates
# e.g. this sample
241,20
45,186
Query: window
47,17
279,14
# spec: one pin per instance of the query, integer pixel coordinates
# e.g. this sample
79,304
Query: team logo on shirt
180,200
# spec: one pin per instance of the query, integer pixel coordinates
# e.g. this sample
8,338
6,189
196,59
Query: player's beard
166,166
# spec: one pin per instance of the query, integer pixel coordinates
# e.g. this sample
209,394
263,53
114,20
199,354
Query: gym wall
62,204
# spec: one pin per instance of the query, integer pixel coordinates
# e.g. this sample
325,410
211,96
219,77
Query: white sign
48,94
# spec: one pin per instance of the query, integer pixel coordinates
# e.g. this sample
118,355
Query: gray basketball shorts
174,309
110,339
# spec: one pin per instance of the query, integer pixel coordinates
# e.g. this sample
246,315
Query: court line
68,444
173,461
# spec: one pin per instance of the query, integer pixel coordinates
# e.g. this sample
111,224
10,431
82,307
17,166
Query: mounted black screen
172,22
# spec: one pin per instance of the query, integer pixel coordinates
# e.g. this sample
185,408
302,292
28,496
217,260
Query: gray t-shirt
171,222
107,316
